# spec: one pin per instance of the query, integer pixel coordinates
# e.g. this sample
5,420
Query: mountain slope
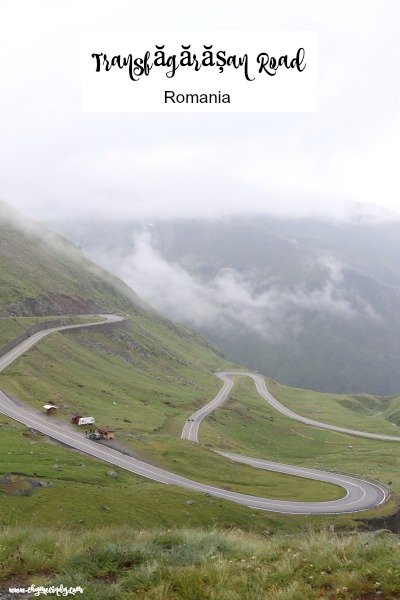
309,303
42,273
142,382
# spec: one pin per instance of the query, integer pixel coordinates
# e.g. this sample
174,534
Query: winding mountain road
192,426
360,495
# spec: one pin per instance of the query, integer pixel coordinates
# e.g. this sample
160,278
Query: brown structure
75,419
51,409
106,433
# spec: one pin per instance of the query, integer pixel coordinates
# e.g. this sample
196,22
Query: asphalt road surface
192,425
358,494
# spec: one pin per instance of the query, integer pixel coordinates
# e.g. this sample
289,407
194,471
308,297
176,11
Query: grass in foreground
113,564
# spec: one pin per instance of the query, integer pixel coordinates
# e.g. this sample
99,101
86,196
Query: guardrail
59,323
30,331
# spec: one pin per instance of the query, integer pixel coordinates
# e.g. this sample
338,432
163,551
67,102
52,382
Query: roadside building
75,419
51,409
106,433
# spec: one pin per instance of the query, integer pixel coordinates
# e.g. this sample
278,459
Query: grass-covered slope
122,564
144,382
69,519
247,425
42,273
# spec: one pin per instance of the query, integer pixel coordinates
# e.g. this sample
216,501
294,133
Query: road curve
192,425
10,356
360,495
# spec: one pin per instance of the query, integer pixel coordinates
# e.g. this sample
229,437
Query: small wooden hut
106,433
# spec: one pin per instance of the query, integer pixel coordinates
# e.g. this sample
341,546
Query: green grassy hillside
145,392
248,426
121,564
118,534
144,382
43,274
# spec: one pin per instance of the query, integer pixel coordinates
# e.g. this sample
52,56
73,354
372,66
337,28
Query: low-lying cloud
231,299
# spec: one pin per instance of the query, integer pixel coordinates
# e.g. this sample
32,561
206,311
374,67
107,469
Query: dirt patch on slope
17,485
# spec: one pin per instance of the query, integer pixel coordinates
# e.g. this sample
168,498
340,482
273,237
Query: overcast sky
59,162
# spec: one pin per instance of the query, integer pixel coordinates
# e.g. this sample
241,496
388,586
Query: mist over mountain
311,303
42,273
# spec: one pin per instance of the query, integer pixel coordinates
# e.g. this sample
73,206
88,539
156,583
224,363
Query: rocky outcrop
53,304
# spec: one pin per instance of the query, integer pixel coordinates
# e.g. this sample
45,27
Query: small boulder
112,473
